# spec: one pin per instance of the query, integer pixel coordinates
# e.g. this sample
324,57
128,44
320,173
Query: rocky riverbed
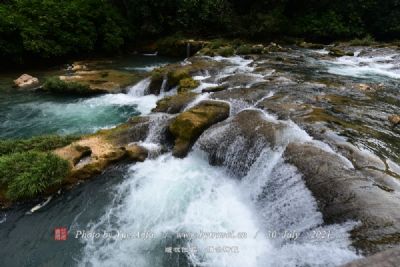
276,139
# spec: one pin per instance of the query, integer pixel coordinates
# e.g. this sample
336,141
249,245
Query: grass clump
27,174
39,143
56,85
366,41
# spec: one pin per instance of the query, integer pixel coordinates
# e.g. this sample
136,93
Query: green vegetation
367,40
39,143
55,85
40,29
28,168
27,174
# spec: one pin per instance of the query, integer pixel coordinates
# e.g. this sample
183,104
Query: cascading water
266,218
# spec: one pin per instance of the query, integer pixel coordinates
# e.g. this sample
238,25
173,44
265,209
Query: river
184,212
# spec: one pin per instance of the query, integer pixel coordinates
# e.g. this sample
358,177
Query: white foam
366,67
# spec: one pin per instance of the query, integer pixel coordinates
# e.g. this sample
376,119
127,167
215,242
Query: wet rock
345,194
175,76
136,152
103,81
238,141
388,258
337,52
135,130
156,81
311,45
26,81
189,125
241,80
102,154
187,84
174,104
248,95
214,89
394,120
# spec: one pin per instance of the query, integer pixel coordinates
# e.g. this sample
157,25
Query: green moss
174,104
27,174
226,51
39,143
217,43
187,84
175,76
55,85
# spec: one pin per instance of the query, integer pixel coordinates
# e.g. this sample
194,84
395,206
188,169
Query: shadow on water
28,240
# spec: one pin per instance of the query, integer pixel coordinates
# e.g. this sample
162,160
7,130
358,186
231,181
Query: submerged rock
189,125
345,194
26,81
174,104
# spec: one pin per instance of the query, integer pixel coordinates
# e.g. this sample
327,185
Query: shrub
55,85
366,41
27,174
39,143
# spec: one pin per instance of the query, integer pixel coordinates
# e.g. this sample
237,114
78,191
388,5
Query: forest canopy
60,28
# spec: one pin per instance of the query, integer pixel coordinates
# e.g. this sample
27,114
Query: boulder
101,153
187,84
238,141
174,104
336,52
156,82
136,152
394,120
189,125
388,258
345,194
26,81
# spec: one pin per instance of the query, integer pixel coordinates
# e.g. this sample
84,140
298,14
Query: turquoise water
25,114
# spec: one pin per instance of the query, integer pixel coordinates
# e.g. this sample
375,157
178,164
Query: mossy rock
336,52
103,81
174,104
310,45
226,51
189,125
175,76
187,84
58,86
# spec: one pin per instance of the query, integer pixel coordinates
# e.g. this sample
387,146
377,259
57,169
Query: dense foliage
27,174
57,28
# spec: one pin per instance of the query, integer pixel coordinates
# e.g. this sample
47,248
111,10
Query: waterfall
140,88
267,217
